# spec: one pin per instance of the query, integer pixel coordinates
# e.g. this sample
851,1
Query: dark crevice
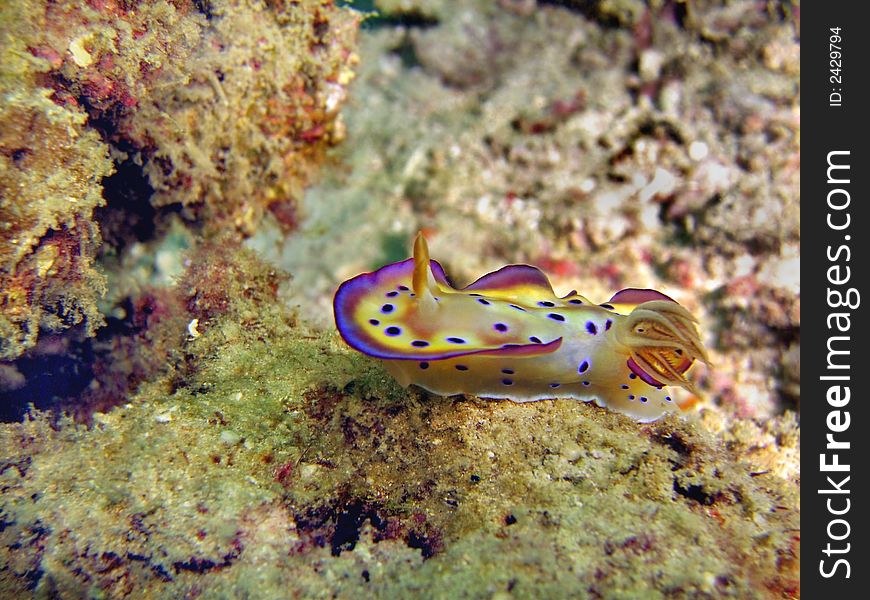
50,378
338,525
128,214
407,53
695,492
427,545
205,7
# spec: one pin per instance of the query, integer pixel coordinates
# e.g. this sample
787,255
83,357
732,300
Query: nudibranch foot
509,336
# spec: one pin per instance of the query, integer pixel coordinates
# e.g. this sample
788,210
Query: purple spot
585,383
632,376
474,295
507,371
424,365
625,387
584,366
420,343
461,368
643,398
556,317
631,396
387,308
575,301
392,330
668,398
607,306
507,381
392,294
591,328
546,303
404,288
412,294
483,301
500,327
455,340
607,324
509,345
374,322
517,307
535,339
555,385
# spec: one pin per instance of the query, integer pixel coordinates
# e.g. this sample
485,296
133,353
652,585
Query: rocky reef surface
282,462
217,111
169,245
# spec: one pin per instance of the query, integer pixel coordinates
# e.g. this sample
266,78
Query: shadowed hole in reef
696,493
675,442
59,373
49,377
128,215
69,373
338,525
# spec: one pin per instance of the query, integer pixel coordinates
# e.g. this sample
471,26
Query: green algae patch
285,463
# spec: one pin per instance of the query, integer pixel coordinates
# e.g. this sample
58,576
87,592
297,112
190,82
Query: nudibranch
508,336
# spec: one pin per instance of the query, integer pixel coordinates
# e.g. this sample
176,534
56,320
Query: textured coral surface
286,463
51,165
225,443
222,110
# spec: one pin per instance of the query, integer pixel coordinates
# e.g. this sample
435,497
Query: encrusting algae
259,456
277,459
222,109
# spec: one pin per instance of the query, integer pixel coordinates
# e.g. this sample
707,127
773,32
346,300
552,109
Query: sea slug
508,336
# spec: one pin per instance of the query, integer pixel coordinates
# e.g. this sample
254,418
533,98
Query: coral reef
228,105
282,462
249,452
50,170
51,165
223,108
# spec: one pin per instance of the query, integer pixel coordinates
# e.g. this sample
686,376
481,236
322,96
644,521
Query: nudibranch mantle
508,336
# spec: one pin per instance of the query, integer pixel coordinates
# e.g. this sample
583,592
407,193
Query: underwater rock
338,482
268,460
224,109
227,105
50,171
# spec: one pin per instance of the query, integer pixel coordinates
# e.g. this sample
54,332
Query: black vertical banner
835,258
